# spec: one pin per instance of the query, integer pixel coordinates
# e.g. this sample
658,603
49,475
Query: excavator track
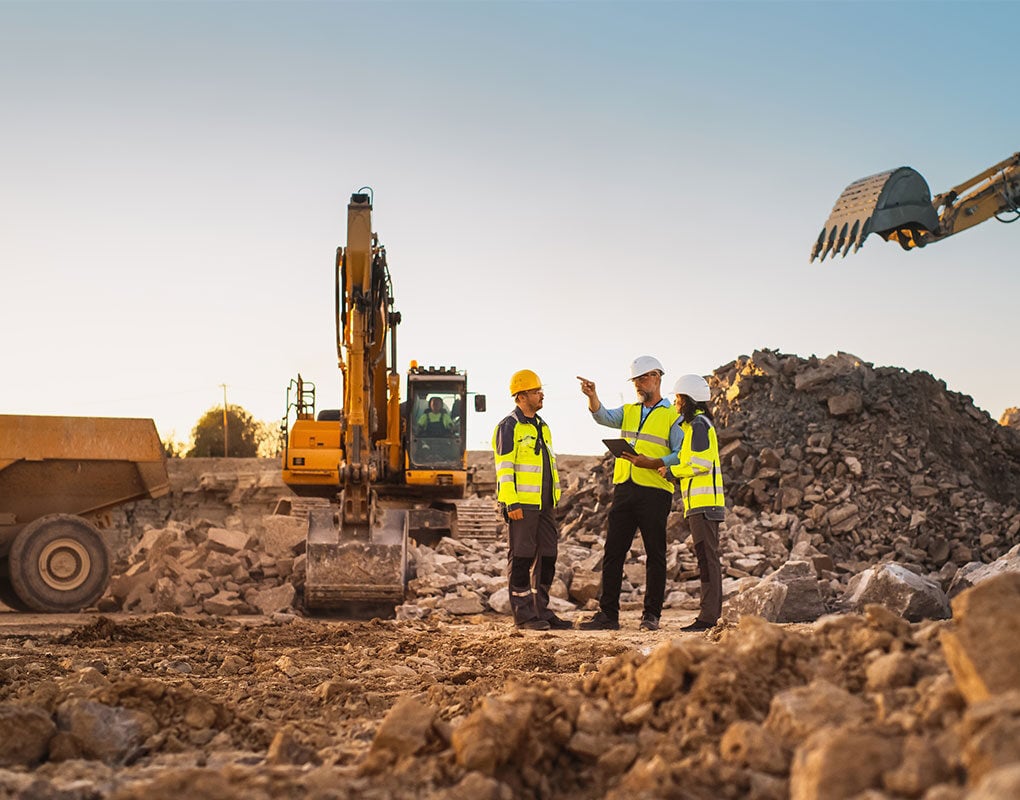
479,518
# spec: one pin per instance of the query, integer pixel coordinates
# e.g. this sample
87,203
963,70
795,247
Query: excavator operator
436,420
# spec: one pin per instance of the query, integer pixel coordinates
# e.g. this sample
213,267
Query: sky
560,186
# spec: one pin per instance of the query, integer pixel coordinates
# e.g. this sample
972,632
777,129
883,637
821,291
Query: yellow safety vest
649,439
700,473
519,472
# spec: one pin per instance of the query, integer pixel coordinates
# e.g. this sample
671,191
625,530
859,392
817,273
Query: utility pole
224,419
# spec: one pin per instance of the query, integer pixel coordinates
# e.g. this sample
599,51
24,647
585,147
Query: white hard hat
642,364
694,386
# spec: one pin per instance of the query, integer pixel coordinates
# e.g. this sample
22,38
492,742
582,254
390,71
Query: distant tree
244,434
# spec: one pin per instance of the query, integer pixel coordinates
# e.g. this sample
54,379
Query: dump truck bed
75,465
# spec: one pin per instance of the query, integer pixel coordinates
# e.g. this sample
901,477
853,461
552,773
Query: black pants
634,508
533,548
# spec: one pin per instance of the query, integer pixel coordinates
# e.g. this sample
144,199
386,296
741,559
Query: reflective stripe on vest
703,489
519,474
649,439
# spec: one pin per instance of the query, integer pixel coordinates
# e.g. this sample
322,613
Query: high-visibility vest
650,438
519,472
435,423
699,471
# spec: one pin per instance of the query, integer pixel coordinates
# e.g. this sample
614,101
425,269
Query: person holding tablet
642,498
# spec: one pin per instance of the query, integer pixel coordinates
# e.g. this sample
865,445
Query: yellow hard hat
523,380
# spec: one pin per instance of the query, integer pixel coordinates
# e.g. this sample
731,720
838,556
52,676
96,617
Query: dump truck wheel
59,563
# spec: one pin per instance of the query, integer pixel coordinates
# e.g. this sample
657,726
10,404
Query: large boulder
899,589
790,594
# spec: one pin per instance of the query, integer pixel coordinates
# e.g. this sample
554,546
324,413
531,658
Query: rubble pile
839,474
212,546
876,464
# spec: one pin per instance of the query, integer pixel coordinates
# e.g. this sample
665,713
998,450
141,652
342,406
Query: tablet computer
619,446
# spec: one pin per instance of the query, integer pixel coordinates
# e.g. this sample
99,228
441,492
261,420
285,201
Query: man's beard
644,395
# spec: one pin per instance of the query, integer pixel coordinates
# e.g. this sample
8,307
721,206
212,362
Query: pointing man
642,498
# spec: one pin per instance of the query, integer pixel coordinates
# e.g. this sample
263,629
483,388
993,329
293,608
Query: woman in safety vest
699,475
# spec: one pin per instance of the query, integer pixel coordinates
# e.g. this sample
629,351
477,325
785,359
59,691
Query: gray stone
462,605
272,601
790,594
102,732
282,536
228,541
974,572
897,588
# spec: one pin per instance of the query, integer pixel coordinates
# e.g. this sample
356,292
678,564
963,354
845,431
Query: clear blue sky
554,182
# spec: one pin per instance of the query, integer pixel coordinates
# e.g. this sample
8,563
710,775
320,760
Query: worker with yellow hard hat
642,498
528,489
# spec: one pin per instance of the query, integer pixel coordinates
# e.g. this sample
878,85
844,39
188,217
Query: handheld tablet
619,446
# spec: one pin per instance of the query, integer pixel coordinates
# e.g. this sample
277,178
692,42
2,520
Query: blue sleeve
504,444
610,417
676,440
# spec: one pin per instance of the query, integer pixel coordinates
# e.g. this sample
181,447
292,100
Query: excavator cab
436,428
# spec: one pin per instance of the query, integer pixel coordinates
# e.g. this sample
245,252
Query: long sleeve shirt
613,418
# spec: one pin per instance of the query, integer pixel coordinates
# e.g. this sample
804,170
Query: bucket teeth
839,237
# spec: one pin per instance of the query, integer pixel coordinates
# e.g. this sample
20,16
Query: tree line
246,437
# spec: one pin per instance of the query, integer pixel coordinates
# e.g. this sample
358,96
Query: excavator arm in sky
898,206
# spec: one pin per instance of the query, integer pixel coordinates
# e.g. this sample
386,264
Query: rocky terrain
870,648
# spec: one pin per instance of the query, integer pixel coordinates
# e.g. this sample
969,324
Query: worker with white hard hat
701,487
528,489
642,497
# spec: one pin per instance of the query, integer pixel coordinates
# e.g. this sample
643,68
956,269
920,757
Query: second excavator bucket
897,203
354,564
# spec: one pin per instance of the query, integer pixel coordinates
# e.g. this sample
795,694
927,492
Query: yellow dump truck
59,476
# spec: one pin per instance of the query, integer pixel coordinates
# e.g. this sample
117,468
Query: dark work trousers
634,508
533,548
706,548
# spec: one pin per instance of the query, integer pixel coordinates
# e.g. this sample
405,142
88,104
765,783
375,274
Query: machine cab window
436,427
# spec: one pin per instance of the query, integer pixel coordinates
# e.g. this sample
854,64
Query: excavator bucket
352,564
894,204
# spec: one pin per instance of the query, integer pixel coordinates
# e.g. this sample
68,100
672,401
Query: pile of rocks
849,484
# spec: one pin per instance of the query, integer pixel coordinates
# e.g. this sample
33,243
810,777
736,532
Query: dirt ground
221,690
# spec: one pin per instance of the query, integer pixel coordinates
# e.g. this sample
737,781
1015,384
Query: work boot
558,624
698,625
649,623
600,622
533,625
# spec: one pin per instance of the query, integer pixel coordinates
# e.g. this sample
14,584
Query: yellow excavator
397,469
898,206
